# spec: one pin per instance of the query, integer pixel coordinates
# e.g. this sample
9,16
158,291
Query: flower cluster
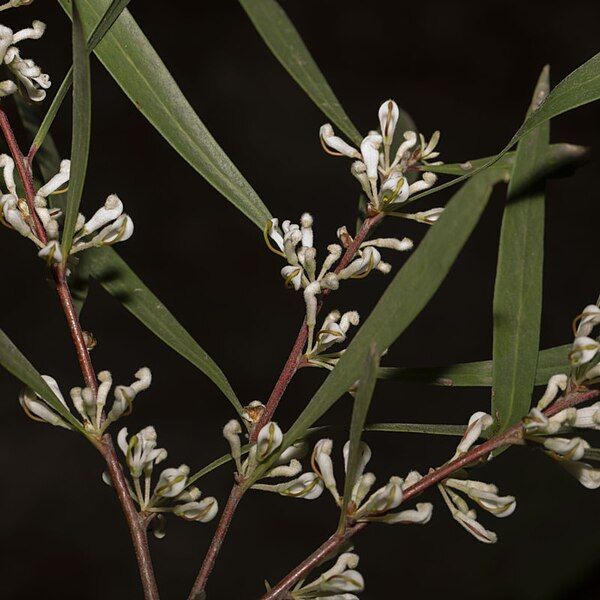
340,582
585,369
383,178
28,76
287,466
107,226
585,348
171,494
484,495
295,243
333,331
88,405
363,505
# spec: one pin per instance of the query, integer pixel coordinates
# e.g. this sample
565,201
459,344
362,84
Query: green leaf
215,464
408,293
428,428
550,362
82,122
558,158
362,401
115,8
119,280
136,67
287,46
580,87
15,363
518,288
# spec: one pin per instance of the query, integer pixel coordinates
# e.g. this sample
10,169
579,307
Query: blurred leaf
119,280
47,159
408,293
558,158
362,401
136,67
287,46
82,122
18,365
580,87
113,11
215,464
79,280
518,288
550,362
428,428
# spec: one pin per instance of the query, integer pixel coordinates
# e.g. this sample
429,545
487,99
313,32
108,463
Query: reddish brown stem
290,368
306,566
137,524
510,436
215,546
293,361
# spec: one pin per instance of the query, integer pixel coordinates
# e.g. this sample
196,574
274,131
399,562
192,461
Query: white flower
566,449
466,517
330,141
587,475
583,350
588,417
536,422
323,466
486,495
420,515
172,482
382,501
388,118
332,331
37,409
140,451
478,423
51,252
203,511
27,73
116,226
588,319
556,384
342,578
231,432
268,440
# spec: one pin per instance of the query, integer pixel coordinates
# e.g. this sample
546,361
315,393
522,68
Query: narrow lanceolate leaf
113,11
362,401
559,157
428,428
82,122
15,363
136,67
518,287
580,87
119,280
215,464
287,46
478,374
408,293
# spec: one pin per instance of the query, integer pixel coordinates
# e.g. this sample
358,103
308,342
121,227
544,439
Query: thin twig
290,368
215,546
510,436
137,523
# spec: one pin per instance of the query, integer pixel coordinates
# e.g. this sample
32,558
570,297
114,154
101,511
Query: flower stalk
137,523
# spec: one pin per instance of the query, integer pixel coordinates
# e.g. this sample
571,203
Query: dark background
465,68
